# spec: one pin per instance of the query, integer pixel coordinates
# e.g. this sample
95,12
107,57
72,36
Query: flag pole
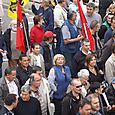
26,37
85,30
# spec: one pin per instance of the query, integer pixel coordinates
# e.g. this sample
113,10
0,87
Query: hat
113,80
49,34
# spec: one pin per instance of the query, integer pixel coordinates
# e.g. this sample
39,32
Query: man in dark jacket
27,105
79,63
111,96
10,103
108,33
2,50
107,50
23,70
47,50
70,103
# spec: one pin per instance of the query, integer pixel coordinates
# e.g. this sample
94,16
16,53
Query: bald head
76,86
35,80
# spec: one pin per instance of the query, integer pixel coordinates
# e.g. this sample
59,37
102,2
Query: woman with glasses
59,78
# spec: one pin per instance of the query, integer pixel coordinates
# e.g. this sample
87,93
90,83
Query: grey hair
26,88
83,73
91,96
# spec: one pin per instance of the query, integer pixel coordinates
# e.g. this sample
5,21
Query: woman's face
109,18
60,61
97,27
93,61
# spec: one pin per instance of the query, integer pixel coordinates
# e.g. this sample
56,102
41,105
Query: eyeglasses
78,86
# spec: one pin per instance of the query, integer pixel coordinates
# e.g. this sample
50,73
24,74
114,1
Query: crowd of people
59,74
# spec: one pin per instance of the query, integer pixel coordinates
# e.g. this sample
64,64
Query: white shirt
13,89
38,60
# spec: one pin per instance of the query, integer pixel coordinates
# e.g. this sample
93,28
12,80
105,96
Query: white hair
83,73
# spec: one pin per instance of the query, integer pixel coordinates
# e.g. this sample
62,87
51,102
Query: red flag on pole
85,28
20,30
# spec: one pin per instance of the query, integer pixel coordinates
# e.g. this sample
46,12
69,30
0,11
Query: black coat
70,105
79,62
103,5
3,47
47,57
7,40
111,98
5,111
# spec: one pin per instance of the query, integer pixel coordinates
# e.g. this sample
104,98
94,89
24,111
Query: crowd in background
59,74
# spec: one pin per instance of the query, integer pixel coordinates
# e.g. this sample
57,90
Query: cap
113,80
49,34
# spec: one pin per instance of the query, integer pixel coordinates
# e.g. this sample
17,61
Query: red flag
20,30
85,28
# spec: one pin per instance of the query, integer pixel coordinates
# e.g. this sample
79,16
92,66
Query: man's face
24,62
25,95
37,81
15,104
85,110
100,90
76,87
90,11
64,3
36,49
11,76
40,73
113,84
95,104
86,46
74,17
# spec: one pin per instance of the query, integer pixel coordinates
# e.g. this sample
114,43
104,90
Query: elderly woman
83,74
59,78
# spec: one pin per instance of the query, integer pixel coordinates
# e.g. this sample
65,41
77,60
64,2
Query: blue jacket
62,81
71,47
108,34
48,17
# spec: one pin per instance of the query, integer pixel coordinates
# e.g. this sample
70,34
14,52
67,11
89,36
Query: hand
109,108
80,37
1,50
113,106
101,72
5,51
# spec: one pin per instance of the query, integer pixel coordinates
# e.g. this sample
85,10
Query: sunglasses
78,86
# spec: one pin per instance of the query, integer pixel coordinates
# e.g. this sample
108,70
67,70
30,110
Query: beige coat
60,14
110,68
33,61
